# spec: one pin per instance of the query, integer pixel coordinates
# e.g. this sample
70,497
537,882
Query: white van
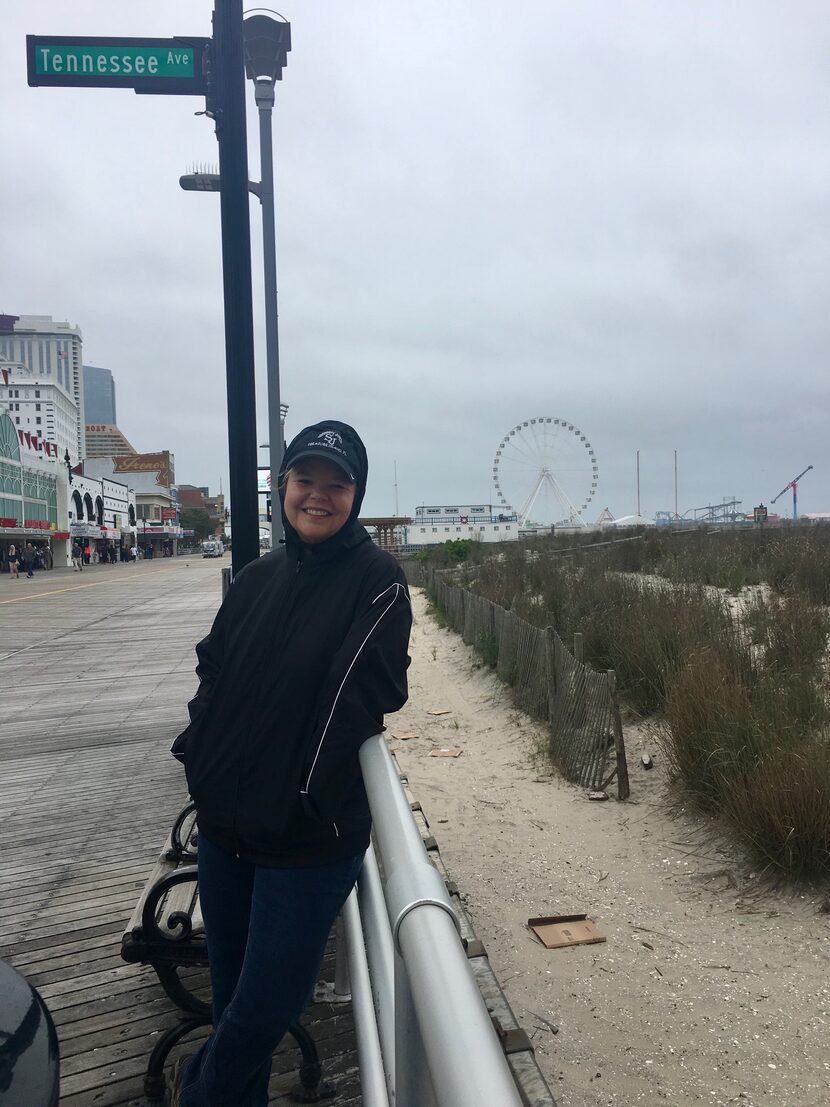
212,547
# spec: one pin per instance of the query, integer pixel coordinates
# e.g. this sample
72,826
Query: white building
54,353
40,408
434,524
102,512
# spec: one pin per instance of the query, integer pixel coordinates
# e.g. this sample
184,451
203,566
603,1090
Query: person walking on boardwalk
77,557
14,562
29,559
307,653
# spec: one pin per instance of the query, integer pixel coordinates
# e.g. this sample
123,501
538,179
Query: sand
712,987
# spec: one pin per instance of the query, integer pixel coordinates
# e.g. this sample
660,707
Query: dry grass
742,703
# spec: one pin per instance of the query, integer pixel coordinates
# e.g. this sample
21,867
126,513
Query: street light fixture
210,182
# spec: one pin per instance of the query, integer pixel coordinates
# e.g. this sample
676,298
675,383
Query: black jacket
305,657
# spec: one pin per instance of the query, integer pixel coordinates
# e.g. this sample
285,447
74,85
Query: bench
167,931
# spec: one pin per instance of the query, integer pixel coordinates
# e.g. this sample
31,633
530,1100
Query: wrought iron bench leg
169,979
154,1077
312,1089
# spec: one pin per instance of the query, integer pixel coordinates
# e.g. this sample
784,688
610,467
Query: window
435,530
17,419
458,530
495,528
37,407
423,530
481,528
507,527
37,393
447,530
37,420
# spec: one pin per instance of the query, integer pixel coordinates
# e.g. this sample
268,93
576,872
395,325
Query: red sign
9,522
37,524
168,513
61,534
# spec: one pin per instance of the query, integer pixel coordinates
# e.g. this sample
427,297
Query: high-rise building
99,396
52,351
42,410
103,440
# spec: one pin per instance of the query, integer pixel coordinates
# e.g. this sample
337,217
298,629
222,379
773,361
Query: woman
307,653
14,562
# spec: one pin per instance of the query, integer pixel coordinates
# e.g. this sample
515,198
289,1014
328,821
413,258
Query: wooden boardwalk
95,671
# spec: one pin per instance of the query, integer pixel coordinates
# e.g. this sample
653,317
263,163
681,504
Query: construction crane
794,485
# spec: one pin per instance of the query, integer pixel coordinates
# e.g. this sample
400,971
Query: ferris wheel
546,470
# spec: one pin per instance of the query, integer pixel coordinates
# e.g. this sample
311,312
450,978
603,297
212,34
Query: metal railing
424,1035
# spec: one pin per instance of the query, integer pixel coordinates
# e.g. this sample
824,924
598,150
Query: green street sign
167,66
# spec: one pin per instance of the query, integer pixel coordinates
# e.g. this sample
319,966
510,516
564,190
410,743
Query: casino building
28,495
435,524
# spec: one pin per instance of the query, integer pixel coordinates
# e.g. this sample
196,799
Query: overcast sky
613,213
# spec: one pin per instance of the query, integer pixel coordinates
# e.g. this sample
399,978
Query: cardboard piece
405,737
437,752
558,931
443,711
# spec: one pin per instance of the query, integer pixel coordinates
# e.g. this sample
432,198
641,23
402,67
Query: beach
712,984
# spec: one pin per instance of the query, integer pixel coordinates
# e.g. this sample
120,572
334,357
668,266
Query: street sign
168,66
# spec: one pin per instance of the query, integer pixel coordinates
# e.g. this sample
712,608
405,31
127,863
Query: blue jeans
266,934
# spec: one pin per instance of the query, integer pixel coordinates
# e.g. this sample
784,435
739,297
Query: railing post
380,954
342,984
372,1082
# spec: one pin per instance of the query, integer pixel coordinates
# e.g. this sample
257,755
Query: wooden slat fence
578,703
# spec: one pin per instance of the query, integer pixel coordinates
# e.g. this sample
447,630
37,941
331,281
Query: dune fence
550,683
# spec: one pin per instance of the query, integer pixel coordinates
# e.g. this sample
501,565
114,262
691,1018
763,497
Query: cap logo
331,439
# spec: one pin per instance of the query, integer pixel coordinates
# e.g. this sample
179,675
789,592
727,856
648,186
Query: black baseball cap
332,441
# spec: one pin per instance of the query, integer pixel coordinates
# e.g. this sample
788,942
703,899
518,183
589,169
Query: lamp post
266,45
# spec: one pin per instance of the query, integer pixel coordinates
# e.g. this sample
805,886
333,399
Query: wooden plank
91,706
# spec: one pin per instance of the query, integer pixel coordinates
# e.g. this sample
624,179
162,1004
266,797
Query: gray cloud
614,213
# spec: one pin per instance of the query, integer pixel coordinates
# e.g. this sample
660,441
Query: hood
341,444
